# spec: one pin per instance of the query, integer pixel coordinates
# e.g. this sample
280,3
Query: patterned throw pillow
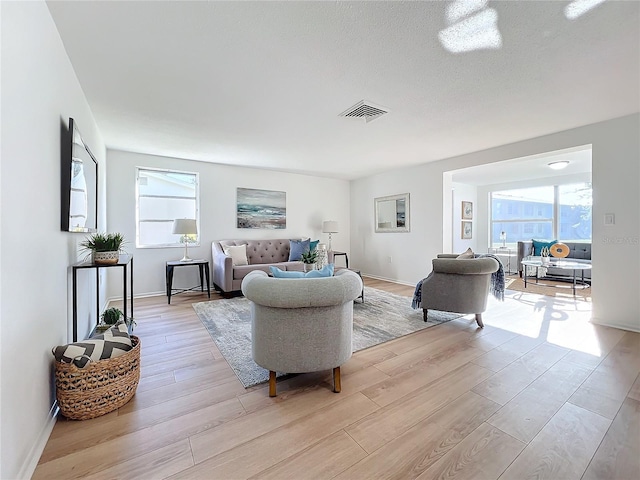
112,343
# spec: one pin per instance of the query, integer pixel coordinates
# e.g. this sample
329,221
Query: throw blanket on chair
497,278
496,286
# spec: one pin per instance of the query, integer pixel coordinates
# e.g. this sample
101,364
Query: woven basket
99,388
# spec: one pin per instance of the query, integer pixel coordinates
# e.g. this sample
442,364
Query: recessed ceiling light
558,165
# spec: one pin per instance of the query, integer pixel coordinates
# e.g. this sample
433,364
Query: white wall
39,93
310,200
615,252
468,193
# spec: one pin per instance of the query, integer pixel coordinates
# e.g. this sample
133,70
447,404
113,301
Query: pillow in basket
112,343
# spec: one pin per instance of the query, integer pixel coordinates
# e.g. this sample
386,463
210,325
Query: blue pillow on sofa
538,245
313,245
297,248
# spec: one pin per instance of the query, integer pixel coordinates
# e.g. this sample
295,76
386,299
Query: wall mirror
392,213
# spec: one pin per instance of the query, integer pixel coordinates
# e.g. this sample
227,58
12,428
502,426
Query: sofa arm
222,269
524,249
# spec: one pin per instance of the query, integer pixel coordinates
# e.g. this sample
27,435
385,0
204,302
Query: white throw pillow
237,253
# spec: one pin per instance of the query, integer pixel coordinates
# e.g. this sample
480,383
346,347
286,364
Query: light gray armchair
301,325
458,285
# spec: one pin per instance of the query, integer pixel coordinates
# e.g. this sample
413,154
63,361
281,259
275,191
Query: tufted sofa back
263,251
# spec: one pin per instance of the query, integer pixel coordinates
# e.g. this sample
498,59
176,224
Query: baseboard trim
391,280
628,328
29,466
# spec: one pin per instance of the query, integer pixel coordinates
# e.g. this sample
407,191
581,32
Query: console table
124,262
203,266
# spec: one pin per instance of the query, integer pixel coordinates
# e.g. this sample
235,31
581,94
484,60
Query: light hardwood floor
538,393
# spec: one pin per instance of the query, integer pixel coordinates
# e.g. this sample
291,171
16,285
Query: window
530,213
161,197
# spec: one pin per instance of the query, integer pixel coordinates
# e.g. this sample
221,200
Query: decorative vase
106,258
544,260
321,260
309,266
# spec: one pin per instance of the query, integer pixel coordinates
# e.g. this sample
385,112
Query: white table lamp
329,227
185,227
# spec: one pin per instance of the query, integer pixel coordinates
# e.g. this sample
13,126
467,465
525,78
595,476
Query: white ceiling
528,168
262,83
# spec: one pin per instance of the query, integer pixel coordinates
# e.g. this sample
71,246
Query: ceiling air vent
366,110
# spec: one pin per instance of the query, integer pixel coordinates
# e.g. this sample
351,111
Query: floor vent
366,110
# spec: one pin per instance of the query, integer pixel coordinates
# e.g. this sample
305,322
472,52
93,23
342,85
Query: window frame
554,219
177,244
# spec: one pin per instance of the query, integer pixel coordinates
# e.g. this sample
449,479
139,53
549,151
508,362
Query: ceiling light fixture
558,165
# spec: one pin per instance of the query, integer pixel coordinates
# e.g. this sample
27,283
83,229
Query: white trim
31,462
628,328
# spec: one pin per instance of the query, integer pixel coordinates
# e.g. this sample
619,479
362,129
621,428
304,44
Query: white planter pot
309,266
106,258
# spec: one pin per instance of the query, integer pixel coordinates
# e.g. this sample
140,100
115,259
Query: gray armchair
301,324
458,285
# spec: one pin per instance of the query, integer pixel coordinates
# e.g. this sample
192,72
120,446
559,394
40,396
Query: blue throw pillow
538,245
326,271
313,245
277,273
297,248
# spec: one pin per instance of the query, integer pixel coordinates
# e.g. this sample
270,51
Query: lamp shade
185,226
330,226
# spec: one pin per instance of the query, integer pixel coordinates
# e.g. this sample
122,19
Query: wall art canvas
467,230
261,209
467,210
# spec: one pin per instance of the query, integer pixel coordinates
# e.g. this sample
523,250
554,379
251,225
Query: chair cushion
112,343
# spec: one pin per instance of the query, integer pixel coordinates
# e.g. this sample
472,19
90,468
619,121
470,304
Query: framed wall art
467,230
261,209
467,210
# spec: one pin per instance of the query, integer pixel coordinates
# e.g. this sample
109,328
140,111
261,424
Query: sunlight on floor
562,321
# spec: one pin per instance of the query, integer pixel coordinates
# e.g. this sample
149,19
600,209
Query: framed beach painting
467,230
467,210
261,209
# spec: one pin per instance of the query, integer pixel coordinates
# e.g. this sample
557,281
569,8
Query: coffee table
562,265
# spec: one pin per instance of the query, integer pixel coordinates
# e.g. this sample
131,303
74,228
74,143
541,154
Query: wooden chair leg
272,383
479,320
336,380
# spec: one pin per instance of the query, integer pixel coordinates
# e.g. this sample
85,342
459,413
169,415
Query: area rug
383,317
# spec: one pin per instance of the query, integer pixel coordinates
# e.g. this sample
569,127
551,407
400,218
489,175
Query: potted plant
544,255
111,316
309,259
104,248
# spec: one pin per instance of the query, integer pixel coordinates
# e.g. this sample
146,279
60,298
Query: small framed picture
467,230
467,210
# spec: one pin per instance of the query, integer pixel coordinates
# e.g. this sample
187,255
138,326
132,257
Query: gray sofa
301,324
578,252
261,254
459,285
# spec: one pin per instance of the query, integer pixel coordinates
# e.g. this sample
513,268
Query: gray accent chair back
301,325
459,285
